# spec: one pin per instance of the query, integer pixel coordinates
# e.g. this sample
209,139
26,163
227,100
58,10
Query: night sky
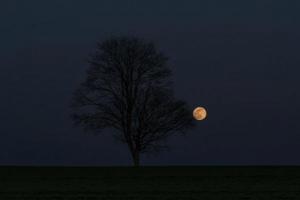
239,59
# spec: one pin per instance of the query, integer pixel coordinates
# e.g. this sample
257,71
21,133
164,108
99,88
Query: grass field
151,183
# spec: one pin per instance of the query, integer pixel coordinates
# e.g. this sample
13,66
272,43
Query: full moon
199,113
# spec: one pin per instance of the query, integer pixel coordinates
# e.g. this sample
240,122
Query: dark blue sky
239,59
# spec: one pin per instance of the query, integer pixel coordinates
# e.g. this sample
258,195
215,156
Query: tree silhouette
127,88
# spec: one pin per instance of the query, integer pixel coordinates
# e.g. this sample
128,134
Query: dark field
161,183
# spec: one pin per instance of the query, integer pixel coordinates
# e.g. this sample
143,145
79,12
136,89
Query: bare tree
127,88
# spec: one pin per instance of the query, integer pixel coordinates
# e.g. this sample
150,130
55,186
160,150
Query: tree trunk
136,158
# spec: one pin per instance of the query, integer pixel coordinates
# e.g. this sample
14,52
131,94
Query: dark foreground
151,183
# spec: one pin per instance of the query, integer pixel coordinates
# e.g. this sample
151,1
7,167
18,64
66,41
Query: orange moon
199,113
